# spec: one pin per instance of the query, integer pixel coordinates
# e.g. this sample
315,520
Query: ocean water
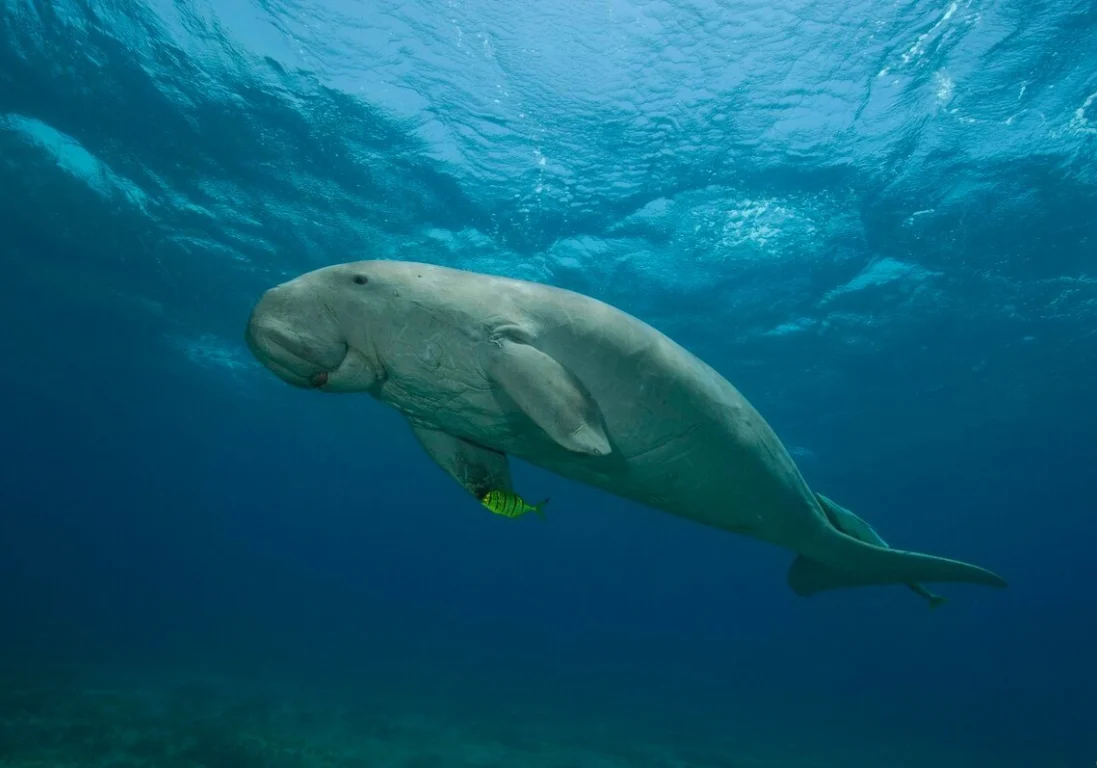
878,220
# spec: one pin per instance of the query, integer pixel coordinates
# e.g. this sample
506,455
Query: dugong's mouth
294,360
301,375
301,372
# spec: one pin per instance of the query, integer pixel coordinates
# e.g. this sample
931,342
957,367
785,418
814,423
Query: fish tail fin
538,507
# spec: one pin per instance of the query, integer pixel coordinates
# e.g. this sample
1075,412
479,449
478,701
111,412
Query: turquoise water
878,221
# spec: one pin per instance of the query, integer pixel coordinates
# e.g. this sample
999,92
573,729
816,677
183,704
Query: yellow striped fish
510,504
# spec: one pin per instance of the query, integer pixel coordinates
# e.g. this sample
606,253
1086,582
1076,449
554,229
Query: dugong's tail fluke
936,601
838,560
807,577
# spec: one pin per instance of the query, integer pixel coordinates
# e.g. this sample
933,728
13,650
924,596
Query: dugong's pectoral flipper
549,394
849,523
477,469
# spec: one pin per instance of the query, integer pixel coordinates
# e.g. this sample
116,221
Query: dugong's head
318,331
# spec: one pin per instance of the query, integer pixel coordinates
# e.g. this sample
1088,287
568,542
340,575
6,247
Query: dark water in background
879,222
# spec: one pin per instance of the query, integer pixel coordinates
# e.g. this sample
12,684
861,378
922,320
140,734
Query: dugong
485,367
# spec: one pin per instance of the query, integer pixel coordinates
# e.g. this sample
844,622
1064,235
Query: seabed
209,725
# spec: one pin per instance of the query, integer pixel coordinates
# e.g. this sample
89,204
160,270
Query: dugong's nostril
319,379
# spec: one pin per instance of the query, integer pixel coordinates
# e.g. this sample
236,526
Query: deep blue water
878,221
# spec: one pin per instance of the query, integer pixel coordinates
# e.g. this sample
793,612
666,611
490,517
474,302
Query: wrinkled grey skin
486,367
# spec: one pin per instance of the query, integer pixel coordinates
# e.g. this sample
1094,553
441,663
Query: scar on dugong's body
486,367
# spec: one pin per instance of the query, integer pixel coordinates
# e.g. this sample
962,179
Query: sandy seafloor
66,719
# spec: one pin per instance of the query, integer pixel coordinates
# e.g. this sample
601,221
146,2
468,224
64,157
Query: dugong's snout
296,338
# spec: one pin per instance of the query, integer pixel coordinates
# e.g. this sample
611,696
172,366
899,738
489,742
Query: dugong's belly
714,461
683,439
667,470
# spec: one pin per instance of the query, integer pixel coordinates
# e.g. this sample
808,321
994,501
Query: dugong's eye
360,279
